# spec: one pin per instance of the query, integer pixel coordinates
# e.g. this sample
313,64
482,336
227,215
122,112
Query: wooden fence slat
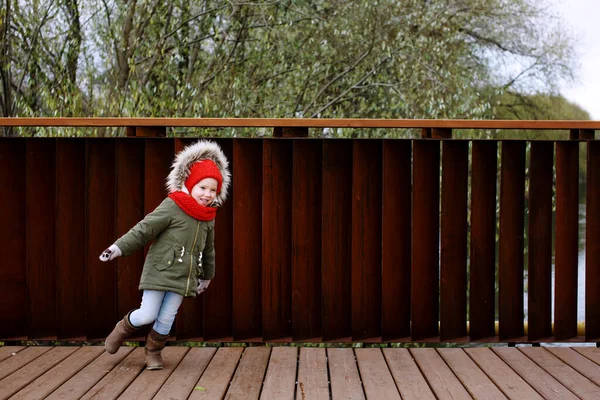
425,239
453,263
306,239
280,378
566,241
511,384
409,380
41,237
337,240
70,229
548,387
482,300
247,381
510,267
540,241
218,301
313,382
343,374
366,239
185,377
247,253
100,233
396,230
592,244
277,239
13,285
130,161
474,379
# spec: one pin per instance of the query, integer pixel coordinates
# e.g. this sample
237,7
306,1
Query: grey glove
202,285
111,253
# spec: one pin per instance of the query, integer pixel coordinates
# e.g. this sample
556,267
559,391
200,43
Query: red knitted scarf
192,208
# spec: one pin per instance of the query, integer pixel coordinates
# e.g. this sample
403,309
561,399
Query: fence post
290,132
146,131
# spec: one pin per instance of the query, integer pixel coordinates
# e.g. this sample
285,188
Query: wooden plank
409,380
304,122
248,378
482,299
343,374
27,374
70,229
592,243
593,353
183,380
149,382
13,289
453,263
85,379
216,377
337,239
567,240
571,379
10,351
425,239
40,257
510,264
396,230
277,239
22,358
313,382
56,376
578,362
366,239
100,233
119,378
376,377
280,378
130,210
306,239
218,301
442,381
539,282
247,254
507,380
473,378
540,380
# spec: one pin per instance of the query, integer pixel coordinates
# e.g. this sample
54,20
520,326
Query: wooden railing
321,239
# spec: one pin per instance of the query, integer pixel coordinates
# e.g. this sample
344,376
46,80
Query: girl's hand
202,285
111,253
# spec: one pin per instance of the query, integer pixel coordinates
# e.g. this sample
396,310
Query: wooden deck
71,372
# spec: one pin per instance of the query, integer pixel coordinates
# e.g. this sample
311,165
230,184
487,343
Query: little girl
181,262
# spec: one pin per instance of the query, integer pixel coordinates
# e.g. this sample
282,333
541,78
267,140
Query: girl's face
205,191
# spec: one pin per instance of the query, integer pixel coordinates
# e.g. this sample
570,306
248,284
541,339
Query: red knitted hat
203,169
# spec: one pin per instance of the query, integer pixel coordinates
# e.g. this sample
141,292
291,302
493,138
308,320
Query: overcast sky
583,18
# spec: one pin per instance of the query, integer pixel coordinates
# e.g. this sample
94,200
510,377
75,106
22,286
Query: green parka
183,251
184,247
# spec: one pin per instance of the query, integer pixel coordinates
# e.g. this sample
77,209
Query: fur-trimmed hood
201,150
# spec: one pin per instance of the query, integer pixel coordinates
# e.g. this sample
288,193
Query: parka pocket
167,260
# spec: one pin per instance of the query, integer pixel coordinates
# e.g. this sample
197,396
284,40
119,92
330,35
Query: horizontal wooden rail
302,122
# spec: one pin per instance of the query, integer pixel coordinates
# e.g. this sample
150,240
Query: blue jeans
158,307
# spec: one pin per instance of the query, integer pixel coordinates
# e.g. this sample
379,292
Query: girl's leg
148,311
168,311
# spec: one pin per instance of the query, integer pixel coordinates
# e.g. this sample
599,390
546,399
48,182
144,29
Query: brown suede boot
122,331
155,343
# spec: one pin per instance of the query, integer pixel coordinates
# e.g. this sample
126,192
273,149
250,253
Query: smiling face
205,191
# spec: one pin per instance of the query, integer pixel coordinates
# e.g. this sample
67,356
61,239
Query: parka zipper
187,287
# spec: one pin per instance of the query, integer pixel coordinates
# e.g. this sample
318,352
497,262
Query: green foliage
280,58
